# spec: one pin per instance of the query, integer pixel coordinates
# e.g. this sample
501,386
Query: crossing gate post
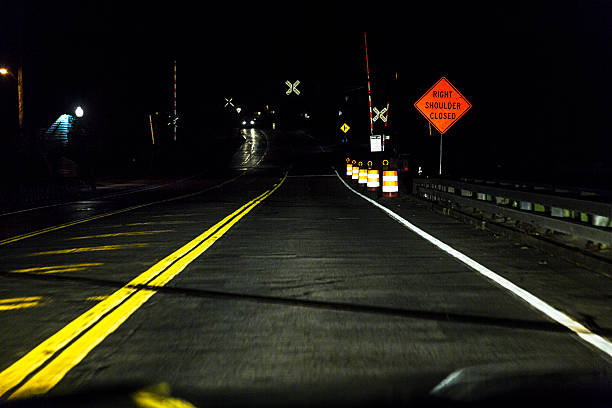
390,186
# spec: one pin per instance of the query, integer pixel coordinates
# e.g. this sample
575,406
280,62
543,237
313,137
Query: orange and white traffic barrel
363,175
373,178
355,175
390,185
349,168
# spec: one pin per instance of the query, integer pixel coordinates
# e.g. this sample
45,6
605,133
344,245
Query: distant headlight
244,122
252,122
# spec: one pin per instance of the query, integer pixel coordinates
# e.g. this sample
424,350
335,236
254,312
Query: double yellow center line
61,352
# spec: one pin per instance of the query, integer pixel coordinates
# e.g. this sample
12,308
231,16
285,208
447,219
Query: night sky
536,73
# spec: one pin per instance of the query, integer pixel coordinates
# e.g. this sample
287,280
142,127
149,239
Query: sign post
442,105
440,171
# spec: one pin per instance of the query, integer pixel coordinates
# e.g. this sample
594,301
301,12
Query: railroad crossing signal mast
365,40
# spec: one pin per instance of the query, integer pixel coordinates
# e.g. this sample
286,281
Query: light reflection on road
252,151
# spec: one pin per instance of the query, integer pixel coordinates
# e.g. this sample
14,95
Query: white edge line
585,334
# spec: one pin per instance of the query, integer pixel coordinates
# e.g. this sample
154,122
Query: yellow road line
50,271
108,214
138,224
176,215
158,396
18,306
160,223
99,325
21,299
121,234
19,303
41,270
89,249
97,298
68,224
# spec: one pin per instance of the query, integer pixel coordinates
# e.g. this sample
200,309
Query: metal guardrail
590,193
590,220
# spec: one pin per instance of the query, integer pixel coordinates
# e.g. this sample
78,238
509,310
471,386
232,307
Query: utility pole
20,98
174,117
21,20
365,40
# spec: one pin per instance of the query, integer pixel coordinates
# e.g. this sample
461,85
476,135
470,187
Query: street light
4,72
78,112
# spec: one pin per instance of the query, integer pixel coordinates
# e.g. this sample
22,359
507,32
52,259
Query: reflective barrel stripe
349,169
355,175
390,176
373,179
390,185
363,176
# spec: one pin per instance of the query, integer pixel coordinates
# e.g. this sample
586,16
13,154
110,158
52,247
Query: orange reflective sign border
442,105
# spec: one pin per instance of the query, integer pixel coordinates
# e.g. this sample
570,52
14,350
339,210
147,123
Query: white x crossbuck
379,114
292,87
228,102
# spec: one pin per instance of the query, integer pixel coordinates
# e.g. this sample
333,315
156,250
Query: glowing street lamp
78,112
4,72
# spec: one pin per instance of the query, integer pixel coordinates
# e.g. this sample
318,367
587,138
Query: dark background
536,74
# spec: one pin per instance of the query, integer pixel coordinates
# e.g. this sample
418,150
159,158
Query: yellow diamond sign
345,128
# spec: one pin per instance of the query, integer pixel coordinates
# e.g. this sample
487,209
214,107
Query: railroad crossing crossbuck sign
228,102
292,87
379,114
442,105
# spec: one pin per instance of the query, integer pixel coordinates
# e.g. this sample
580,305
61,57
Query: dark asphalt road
308,288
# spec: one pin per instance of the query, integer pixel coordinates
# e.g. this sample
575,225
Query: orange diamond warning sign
442,105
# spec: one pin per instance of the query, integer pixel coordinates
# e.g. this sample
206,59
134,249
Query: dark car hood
509,384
